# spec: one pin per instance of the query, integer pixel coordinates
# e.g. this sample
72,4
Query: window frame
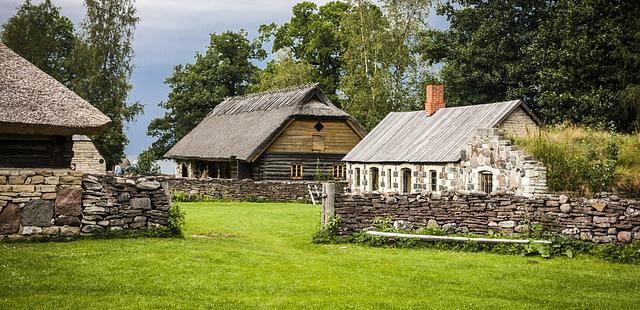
433,180
296,170
339,171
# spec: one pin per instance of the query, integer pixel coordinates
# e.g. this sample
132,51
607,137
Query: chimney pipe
434,100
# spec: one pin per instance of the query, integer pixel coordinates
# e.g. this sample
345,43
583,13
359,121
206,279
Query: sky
169,33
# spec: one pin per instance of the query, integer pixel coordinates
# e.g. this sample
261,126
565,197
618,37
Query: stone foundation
601,220
36,203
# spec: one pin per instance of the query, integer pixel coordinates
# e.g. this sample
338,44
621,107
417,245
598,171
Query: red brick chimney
434,100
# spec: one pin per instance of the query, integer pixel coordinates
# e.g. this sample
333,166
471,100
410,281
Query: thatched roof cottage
441,148
39,116
288,134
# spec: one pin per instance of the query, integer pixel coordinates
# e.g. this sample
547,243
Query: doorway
375,179
406,180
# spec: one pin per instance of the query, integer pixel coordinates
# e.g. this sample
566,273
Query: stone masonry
599,220
35,203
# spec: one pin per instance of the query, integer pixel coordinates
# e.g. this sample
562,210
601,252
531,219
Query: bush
175,221
329,233
577,159
178,196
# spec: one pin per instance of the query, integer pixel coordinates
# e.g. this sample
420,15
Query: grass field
250,255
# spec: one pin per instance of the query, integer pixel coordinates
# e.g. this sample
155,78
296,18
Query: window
339,171
318,126
406,180
375,180
296,170
434,180
388,178
357,177
317,143
486,182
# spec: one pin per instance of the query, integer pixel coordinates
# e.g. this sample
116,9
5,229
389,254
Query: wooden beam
451,238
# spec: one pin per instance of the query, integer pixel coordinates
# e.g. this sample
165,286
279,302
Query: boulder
625,236
521,228
10,219
507,224
90,228
31,230
37,213
148,185
124,196
431,223
563,199
141,203
565,208
92,185
69,201
69,231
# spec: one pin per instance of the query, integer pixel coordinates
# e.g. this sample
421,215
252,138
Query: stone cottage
289,134
441,148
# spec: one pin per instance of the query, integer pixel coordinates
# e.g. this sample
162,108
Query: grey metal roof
243,127
415,137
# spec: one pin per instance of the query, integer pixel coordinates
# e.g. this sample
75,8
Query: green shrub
178,196
175,221
329,233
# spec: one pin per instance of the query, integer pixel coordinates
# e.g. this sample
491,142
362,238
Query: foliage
145,165
44,37
330,233
584,72
284,71
224,70
569,60
560,245
255,252
312,35
175,220
483,50
584,160
382,72
178,196
103,65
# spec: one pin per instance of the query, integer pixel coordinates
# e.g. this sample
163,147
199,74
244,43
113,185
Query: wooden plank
328,201
299,137
452,238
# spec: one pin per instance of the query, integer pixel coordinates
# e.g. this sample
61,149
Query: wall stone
599,220
246,190
40,203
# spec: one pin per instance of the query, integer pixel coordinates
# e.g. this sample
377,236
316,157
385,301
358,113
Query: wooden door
406,180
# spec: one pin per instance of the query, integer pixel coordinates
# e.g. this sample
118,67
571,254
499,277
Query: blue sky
169,33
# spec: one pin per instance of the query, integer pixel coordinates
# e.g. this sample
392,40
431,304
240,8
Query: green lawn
253,255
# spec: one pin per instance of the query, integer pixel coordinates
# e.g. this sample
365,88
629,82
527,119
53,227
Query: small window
317,143
375,180
486,182
357,177
434,180
318,126
388,178
296,170
339,171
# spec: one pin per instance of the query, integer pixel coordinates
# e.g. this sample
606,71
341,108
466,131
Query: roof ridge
274,91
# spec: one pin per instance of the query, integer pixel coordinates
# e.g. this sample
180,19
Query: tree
145,164
588,55
284,71
44,37
382,73
225,69
484,50
312,34
102,63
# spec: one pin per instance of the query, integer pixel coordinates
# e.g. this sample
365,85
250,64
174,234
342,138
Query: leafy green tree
103,65
382,72
484,52
225,69
44,37
312,34
145,164
284,71
588,57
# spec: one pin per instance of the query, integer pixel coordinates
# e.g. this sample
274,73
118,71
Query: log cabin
39,117
288,134
448,148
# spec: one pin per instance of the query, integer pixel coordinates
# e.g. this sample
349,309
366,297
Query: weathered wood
277,166
451,238
35,151
335,137
328,201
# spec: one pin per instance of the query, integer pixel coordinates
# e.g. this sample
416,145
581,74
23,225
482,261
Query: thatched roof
243,127
32,102
414,137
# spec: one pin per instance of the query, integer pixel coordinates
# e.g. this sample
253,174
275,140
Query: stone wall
518,124
86,157
600,220
36,203
245,190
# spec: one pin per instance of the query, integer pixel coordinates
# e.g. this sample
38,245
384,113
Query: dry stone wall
245,190
599,220
37,203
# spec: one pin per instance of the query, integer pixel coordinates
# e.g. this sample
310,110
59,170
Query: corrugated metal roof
242,127
415,137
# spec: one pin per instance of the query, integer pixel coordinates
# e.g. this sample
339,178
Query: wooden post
328,200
